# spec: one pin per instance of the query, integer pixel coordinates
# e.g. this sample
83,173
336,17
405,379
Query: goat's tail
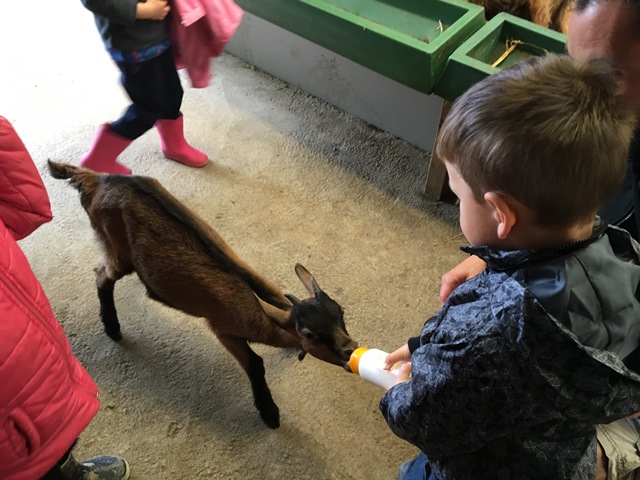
84,180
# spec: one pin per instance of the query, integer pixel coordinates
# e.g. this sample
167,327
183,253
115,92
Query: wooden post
437,185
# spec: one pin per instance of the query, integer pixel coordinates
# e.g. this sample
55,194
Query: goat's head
317,323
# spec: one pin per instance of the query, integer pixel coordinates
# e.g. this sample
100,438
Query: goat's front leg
253,365
108,313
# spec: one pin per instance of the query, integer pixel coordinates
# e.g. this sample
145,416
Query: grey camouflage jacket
511,376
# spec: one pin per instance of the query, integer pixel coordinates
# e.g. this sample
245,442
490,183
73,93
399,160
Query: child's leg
620,441
175,146
156,92
103,154
97,468
54,473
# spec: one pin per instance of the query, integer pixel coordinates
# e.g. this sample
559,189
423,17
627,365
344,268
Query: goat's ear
293,299
308,281
288,322
280,317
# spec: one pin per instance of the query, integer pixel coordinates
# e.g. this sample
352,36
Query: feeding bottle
369,364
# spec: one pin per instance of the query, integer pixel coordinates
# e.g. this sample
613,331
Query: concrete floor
291,179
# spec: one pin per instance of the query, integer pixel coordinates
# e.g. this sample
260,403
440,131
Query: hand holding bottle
404,373
402,356
374,366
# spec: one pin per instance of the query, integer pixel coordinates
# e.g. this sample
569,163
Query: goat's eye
309,335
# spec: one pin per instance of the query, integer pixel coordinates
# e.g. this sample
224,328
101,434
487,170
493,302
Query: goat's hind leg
253,365
108,313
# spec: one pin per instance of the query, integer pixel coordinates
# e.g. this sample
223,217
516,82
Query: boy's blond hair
550,132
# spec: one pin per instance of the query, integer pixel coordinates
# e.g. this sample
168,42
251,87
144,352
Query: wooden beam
437,184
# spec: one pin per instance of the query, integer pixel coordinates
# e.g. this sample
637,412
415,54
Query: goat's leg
108,313
253,365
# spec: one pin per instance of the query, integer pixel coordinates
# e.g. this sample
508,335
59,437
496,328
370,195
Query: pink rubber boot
175,147
103,154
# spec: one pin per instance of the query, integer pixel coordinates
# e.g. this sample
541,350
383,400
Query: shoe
103,154
107,467
415,469
404,468
175,147
104,467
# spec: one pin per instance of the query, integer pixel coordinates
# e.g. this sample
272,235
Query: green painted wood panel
471,62
407,40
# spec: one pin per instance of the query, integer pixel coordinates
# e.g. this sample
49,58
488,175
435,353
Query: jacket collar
503,260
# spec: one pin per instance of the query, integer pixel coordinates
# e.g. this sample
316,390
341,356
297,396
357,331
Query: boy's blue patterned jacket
511,376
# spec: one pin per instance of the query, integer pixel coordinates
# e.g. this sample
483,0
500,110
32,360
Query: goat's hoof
271,417
114,335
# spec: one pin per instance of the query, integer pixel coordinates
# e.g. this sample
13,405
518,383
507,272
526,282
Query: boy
510,378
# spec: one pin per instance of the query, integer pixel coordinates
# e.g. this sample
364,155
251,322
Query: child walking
510,378
136,35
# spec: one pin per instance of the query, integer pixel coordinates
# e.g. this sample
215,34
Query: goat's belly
199,300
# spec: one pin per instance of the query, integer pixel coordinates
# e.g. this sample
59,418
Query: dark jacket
119,28
511,376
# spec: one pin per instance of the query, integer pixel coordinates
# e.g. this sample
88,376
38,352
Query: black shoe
104,467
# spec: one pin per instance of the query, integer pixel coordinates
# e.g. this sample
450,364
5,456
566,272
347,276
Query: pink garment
46,397
200,29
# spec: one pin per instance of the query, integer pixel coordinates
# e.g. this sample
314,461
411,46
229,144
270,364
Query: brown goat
186,265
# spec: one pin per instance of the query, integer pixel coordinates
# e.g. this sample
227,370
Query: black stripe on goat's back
154,190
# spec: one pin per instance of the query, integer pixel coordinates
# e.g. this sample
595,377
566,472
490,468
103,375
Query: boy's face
477,220
608,30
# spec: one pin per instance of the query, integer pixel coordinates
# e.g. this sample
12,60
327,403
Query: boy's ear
503,211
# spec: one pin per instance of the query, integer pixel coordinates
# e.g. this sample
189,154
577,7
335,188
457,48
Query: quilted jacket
46,397
511,376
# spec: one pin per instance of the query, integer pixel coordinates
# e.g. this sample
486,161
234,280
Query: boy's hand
152,10
400,355
404,374
465,270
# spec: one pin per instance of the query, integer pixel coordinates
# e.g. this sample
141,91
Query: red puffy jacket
46,397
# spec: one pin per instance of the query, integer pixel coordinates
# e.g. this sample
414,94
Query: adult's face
610,30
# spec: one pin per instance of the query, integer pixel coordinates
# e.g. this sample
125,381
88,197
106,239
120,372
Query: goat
186,265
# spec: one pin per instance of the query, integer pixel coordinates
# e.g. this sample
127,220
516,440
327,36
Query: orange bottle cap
354,360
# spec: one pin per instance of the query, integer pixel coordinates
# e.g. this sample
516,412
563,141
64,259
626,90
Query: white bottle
369,364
